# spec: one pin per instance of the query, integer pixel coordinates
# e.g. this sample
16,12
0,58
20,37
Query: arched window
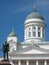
34,31
29,32
39,31
43,32
38,34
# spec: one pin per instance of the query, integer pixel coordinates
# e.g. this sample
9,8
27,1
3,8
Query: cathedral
34,50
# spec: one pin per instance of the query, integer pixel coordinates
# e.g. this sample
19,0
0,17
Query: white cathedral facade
34,50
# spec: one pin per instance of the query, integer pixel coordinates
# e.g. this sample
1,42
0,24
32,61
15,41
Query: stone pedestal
5,62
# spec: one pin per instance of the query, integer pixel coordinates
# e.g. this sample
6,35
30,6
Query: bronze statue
5,50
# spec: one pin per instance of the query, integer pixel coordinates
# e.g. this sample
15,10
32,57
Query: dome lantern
34,7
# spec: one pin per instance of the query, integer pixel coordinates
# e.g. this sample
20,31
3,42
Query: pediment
32,50
35,50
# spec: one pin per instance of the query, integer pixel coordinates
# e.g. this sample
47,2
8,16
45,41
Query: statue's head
5,41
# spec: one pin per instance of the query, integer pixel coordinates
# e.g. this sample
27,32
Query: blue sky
14,13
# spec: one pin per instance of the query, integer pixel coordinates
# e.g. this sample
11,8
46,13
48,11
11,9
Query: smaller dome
12,34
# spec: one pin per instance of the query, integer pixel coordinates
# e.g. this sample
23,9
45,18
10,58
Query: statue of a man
5,50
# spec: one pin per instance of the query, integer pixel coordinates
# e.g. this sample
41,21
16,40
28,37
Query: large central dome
34,27
35,14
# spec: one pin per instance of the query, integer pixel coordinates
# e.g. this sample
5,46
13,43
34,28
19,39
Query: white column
25,33
11,63
27,62
45,62
37,62
31,32
36,31
19,63
44,33
41,32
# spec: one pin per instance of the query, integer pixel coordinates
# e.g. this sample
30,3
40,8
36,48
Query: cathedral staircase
5,62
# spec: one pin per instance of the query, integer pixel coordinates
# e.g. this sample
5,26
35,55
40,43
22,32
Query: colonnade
28,63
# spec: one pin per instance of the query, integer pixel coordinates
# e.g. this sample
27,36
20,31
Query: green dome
35,14
12,34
